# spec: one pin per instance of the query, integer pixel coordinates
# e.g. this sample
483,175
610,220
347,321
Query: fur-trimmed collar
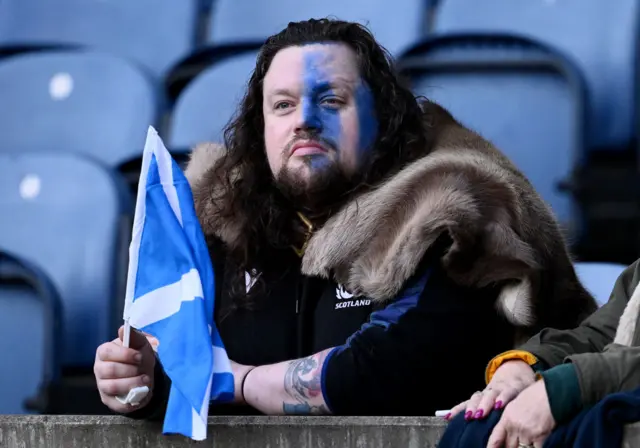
502,232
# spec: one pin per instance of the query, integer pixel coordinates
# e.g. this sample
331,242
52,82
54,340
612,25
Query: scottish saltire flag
170,292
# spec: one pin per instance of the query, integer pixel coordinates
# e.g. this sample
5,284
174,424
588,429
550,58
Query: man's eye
332,101
282,105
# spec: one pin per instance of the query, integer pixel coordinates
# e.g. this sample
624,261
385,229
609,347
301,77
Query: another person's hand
508,381
118,370
526,422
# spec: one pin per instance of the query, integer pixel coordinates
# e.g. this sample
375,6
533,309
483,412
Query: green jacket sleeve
617,369
589,377
553,346
563,391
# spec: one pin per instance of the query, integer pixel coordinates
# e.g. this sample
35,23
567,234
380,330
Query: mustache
314,138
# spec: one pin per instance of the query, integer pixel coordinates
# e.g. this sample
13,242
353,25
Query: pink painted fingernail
448,416
468,415
498,405
479,414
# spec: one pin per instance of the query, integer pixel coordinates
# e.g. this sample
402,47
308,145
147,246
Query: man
577,368
366,245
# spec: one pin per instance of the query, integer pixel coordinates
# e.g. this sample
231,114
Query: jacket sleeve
426,350
552,346
585,379
617,369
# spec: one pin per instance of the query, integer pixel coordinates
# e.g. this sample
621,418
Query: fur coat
502,232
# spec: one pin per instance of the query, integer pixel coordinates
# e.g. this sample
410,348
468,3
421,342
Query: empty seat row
153,33
396,25
598,37
76,101
158,34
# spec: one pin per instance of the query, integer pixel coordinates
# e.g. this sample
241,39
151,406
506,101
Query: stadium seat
153,33
208,103
514,92
67,214
82,102
395,24
599,278
599,36
29,336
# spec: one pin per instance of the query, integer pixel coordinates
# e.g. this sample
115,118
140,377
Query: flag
170,293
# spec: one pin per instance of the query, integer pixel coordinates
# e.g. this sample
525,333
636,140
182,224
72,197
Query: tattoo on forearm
302,382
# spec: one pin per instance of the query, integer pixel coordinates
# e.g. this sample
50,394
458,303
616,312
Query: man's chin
310,163
308,172
311,187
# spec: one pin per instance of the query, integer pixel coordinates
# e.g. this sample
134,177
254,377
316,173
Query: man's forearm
291,387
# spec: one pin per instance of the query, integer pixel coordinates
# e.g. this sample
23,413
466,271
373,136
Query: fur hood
502,233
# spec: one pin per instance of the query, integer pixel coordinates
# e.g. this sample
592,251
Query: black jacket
425,350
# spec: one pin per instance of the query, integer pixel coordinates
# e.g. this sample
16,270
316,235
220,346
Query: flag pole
126,333
136,394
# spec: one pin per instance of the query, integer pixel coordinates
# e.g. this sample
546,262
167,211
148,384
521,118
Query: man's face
319,116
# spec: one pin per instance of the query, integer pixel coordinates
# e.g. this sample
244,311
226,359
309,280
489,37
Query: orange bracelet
496,362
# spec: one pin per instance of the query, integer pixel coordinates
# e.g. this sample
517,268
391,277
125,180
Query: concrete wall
227,432
224,432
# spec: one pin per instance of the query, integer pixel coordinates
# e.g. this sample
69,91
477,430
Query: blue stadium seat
29,336
601,37
395,24
519,95
82,102
599,278
154,33
208,103
68,215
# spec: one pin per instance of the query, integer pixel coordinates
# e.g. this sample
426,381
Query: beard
316,184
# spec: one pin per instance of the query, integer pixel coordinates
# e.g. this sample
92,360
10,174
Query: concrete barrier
224,432
236,432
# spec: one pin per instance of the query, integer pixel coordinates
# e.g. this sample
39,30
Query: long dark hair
243,173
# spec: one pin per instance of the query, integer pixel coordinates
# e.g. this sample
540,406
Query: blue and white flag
170,293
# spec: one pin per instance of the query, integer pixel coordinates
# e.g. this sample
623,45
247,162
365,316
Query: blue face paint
318,113
366,119
321,113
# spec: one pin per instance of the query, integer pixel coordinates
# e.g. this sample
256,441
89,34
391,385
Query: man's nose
309,118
